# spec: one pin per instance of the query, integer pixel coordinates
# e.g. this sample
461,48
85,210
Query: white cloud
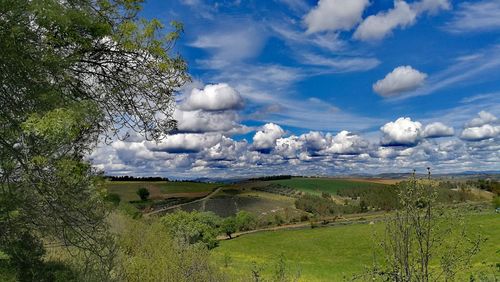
478,133
437,129
346,143
314,140
185,143
482,119
403,131
266,138
483,127
213,97
401,79
226,122
378,26
431,6
475,16
335,15
290,147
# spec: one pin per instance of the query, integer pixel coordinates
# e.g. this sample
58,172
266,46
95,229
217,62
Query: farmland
328,185
334,253
161,189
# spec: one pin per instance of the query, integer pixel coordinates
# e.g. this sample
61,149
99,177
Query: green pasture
319,185
334,253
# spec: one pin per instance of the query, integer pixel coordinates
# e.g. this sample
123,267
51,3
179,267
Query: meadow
334,253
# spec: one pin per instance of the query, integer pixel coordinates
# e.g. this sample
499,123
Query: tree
75,73
421,232
229,226
245,221
143,193
148,252
193,228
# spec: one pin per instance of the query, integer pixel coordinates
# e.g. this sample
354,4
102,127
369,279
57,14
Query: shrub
113,198
496,202
193,227
245,221
143,193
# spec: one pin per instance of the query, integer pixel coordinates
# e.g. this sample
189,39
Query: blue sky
327,87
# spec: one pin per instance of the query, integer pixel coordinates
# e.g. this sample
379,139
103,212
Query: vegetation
149,252
162,189
341,252
318,205
71,72
143,193
193,227
271,177
330,185
420,233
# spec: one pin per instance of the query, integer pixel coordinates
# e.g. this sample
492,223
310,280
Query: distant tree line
271,177
147,179
137,178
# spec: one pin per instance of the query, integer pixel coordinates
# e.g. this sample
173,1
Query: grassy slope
127,190
318,185
330,254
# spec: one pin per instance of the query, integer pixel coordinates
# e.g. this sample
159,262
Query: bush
113,198
143,193
245,221
193,227
129,210
496,202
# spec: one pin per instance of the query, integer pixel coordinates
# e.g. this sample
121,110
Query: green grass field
319,185
332,253
127,189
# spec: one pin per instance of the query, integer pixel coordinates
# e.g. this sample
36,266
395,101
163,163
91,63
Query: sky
328,87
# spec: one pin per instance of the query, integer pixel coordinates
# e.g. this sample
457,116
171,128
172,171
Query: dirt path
332,221
203,200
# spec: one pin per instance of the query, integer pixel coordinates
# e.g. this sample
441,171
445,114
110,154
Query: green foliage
375,197
72,71
147,252
229,226
129,210
113,198
193,228
421,233
245,221
322,206
338,253
143,193
329,185
496,202
485,184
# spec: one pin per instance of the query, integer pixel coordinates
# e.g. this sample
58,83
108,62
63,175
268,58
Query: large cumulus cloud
403,131
265,139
